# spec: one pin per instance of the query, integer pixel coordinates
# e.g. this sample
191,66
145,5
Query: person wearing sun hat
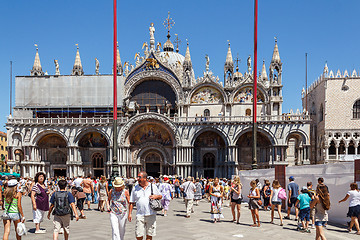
119,199
13,208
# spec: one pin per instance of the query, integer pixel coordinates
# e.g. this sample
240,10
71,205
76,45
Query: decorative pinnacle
177,41
275,39
169,23
237,62
36,46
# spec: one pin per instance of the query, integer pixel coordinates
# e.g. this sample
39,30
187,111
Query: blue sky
326,30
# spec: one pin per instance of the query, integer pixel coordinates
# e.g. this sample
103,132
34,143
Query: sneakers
40,231
313,226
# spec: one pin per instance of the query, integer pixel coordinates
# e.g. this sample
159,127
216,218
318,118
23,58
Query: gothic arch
156,75
155,147
268,134
35,138
126,129
222,134
304,137
210,85
84,131
238,88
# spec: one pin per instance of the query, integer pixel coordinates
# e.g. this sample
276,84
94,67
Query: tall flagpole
254,160
306,102
10,87
115,171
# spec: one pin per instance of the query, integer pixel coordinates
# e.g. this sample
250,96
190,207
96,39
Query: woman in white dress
216,193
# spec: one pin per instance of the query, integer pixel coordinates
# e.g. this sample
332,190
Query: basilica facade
170,121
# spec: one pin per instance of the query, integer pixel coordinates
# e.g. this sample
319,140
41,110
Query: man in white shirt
77,182
145,216
189,189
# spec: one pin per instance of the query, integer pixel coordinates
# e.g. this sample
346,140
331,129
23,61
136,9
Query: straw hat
119,182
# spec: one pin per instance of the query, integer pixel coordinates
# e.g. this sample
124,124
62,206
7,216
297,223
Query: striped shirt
13,207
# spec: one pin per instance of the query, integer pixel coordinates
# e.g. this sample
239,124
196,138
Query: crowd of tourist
66,198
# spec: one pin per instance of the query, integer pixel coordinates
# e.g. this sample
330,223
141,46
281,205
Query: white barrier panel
337,176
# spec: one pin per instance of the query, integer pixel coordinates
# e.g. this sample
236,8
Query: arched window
342,148
351,148
321,113
207,114
332,148
356,109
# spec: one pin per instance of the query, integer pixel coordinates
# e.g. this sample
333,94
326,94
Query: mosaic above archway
93,139
150,133
207,95
245,95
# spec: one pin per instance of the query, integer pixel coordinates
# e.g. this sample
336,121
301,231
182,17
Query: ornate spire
237,74
263,72
276,55
168,23
187,61
187,68
119,68
229,59
326,70
77,69
37,70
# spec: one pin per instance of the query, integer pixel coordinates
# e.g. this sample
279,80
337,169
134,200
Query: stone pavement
176,226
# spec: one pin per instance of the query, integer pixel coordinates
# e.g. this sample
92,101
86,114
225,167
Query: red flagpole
115,171
254,162
115,69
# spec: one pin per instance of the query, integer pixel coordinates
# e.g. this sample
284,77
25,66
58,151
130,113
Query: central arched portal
152,162
151,144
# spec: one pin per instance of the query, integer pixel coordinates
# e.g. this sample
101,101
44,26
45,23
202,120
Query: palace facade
170,121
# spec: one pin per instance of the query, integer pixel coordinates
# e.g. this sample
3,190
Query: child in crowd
304,200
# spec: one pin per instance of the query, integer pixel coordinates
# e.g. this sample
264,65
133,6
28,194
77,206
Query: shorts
80,203
292,202
354,211
62,222
253,204
38,215
320,223
145,225
237,201
304,214
14,216
88,197
275,203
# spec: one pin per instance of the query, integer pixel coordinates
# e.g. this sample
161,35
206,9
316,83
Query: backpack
282,194
61,204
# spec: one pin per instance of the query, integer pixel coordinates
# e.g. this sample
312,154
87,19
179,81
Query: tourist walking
266,194
13,208
165,190
40,201
119,199
80,199
145,215
236,198
312,193
198,192
216,192
276,201
103,191
88,190
354,206
321,203
63,204
303,200
188,188
254,203
293,189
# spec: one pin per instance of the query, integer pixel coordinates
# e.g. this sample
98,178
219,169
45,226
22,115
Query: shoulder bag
184,193
155,204
5,215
